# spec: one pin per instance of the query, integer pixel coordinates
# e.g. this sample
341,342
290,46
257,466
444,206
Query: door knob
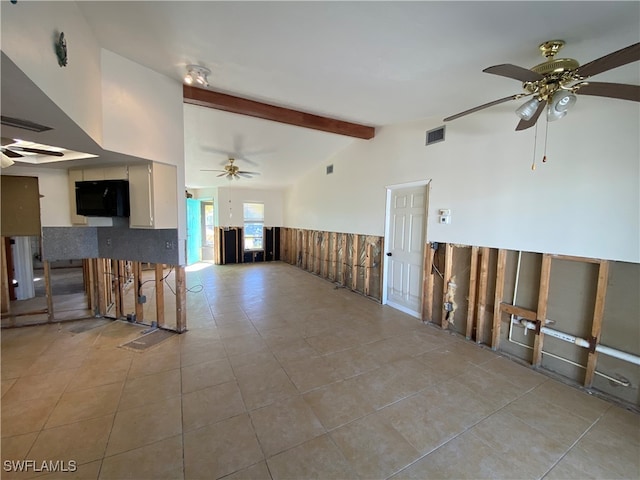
389,254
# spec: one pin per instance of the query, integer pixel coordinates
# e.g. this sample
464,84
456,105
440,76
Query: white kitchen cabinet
153,196
118,172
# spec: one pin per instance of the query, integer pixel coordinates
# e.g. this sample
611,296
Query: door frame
387,234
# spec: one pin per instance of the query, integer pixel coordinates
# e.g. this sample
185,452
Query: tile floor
282,376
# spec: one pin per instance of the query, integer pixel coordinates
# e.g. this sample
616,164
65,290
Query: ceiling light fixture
197,74
560,103
528,109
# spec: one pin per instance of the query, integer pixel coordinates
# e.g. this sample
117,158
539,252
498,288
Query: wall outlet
108,242
168,245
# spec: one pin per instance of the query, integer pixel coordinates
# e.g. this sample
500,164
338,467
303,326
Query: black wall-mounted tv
103,198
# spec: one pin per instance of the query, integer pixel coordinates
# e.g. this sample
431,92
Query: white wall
29,32
144,117
584,201
230,200
53,185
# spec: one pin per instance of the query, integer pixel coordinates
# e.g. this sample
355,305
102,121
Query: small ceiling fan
554,84
232,171
14,149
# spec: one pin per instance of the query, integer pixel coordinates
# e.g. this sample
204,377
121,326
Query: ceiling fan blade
524,124
611,90
513,71
481,107
613,60
210,170
243,174
39,151
221,175
249,173
11,153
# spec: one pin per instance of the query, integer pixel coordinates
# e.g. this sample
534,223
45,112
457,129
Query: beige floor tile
259,471
490,387
220,449
285,424
254,358
84,441
352,362
20,417
203,375
143,425
6,385
394,381
274,336
160,460
464,457
523,377
56,363
84,404
373,448
552,420
92,376
211,405
309,373
621,422
506,434
614,452
154,362
572,399
579,465
87,471
264,384
328,343
338,404
293,350
317,458
17,447
201,351
245,344
431,418
14,367
150,388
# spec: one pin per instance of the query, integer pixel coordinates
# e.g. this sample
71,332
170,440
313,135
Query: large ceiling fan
232,171
16,149
554,83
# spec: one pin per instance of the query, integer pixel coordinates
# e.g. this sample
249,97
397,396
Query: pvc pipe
611,352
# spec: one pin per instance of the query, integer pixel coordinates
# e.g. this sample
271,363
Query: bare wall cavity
571,308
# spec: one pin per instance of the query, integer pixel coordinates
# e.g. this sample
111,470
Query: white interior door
406,225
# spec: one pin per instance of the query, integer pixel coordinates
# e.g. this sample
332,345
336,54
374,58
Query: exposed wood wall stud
541,314
482,293
47,288
596,327
427,284
473,277
181,299
495,333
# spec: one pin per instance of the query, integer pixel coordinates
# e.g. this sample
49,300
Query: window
253,226
207,223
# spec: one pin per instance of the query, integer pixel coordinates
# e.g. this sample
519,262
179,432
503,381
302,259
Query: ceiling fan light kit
556,82
232,171
528,109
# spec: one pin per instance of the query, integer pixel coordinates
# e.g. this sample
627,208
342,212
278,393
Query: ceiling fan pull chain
535,144
546,134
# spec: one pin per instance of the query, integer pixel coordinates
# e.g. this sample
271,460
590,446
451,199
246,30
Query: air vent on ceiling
24,124
436,135
329,169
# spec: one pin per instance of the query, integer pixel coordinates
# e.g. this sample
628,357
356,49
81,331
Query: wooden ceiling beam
252,108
